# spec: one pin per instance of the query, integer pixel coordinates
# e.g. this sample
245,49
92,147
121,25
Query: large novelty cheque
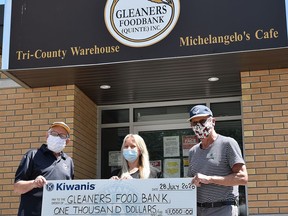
149,197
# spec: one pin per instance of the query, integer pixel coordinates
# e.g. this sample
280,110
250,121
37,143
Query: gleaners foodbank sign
56,33
140,23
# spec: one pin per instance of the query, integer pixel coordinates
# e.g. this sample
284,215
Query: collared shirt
41,162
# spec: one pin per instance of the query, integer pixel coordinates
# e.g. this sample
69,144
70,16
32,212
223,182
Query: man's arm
239,176
22,186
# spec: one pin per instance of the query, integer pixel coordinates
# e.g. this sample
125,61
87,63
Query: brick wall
25,115
265,126
2,76
85,137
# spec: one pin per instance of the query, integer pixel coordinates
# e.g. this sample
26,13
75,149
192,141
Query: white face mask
55,143
203,130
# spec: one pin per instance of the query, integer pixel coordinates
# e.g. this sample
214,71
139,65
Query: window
115,116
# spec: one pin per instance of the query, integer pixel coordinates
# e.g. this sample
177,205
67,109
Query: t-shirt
41,162
218,159
154,173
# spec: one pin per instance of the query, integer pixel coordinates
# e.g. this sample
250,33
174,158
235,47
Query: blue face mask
130,154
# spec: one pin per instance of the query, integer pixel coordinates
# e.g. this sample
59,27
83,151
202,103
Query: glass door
168,147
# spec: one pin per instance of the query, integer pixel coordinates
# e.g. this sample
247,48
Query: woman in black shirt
135,160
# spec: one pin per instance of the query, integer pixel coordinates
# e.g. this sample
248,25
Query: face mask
130,154
55,143
203,130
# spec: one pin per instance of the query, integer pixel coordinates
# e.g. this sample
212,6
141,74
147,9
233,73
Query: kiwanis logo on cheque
140,23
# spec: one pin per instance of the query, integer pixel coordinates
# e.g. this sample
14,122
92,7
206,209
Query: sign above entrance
141,23
56,33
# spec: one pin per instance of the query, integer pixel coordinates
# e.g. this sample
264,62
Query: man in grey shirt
216,166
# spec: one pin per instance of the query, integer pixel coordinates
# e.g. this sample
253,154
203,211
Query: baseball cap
61,124
199,111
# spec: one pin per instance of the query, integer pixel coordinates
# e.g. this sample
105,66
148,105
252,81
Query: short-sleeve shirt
41,162
218,159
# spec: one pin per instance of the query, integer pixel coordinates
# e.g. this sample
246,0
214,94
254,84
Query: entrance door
168,147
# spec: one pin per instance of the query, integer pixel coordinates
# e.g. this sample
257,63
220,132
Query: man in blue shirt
38,166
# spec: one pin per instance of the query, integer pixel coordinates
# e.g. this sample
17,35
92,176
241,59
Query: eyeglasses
202,122
55,134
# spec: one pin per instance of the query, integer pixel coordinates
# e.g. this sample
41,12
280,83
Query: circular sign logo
49,187
140,23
